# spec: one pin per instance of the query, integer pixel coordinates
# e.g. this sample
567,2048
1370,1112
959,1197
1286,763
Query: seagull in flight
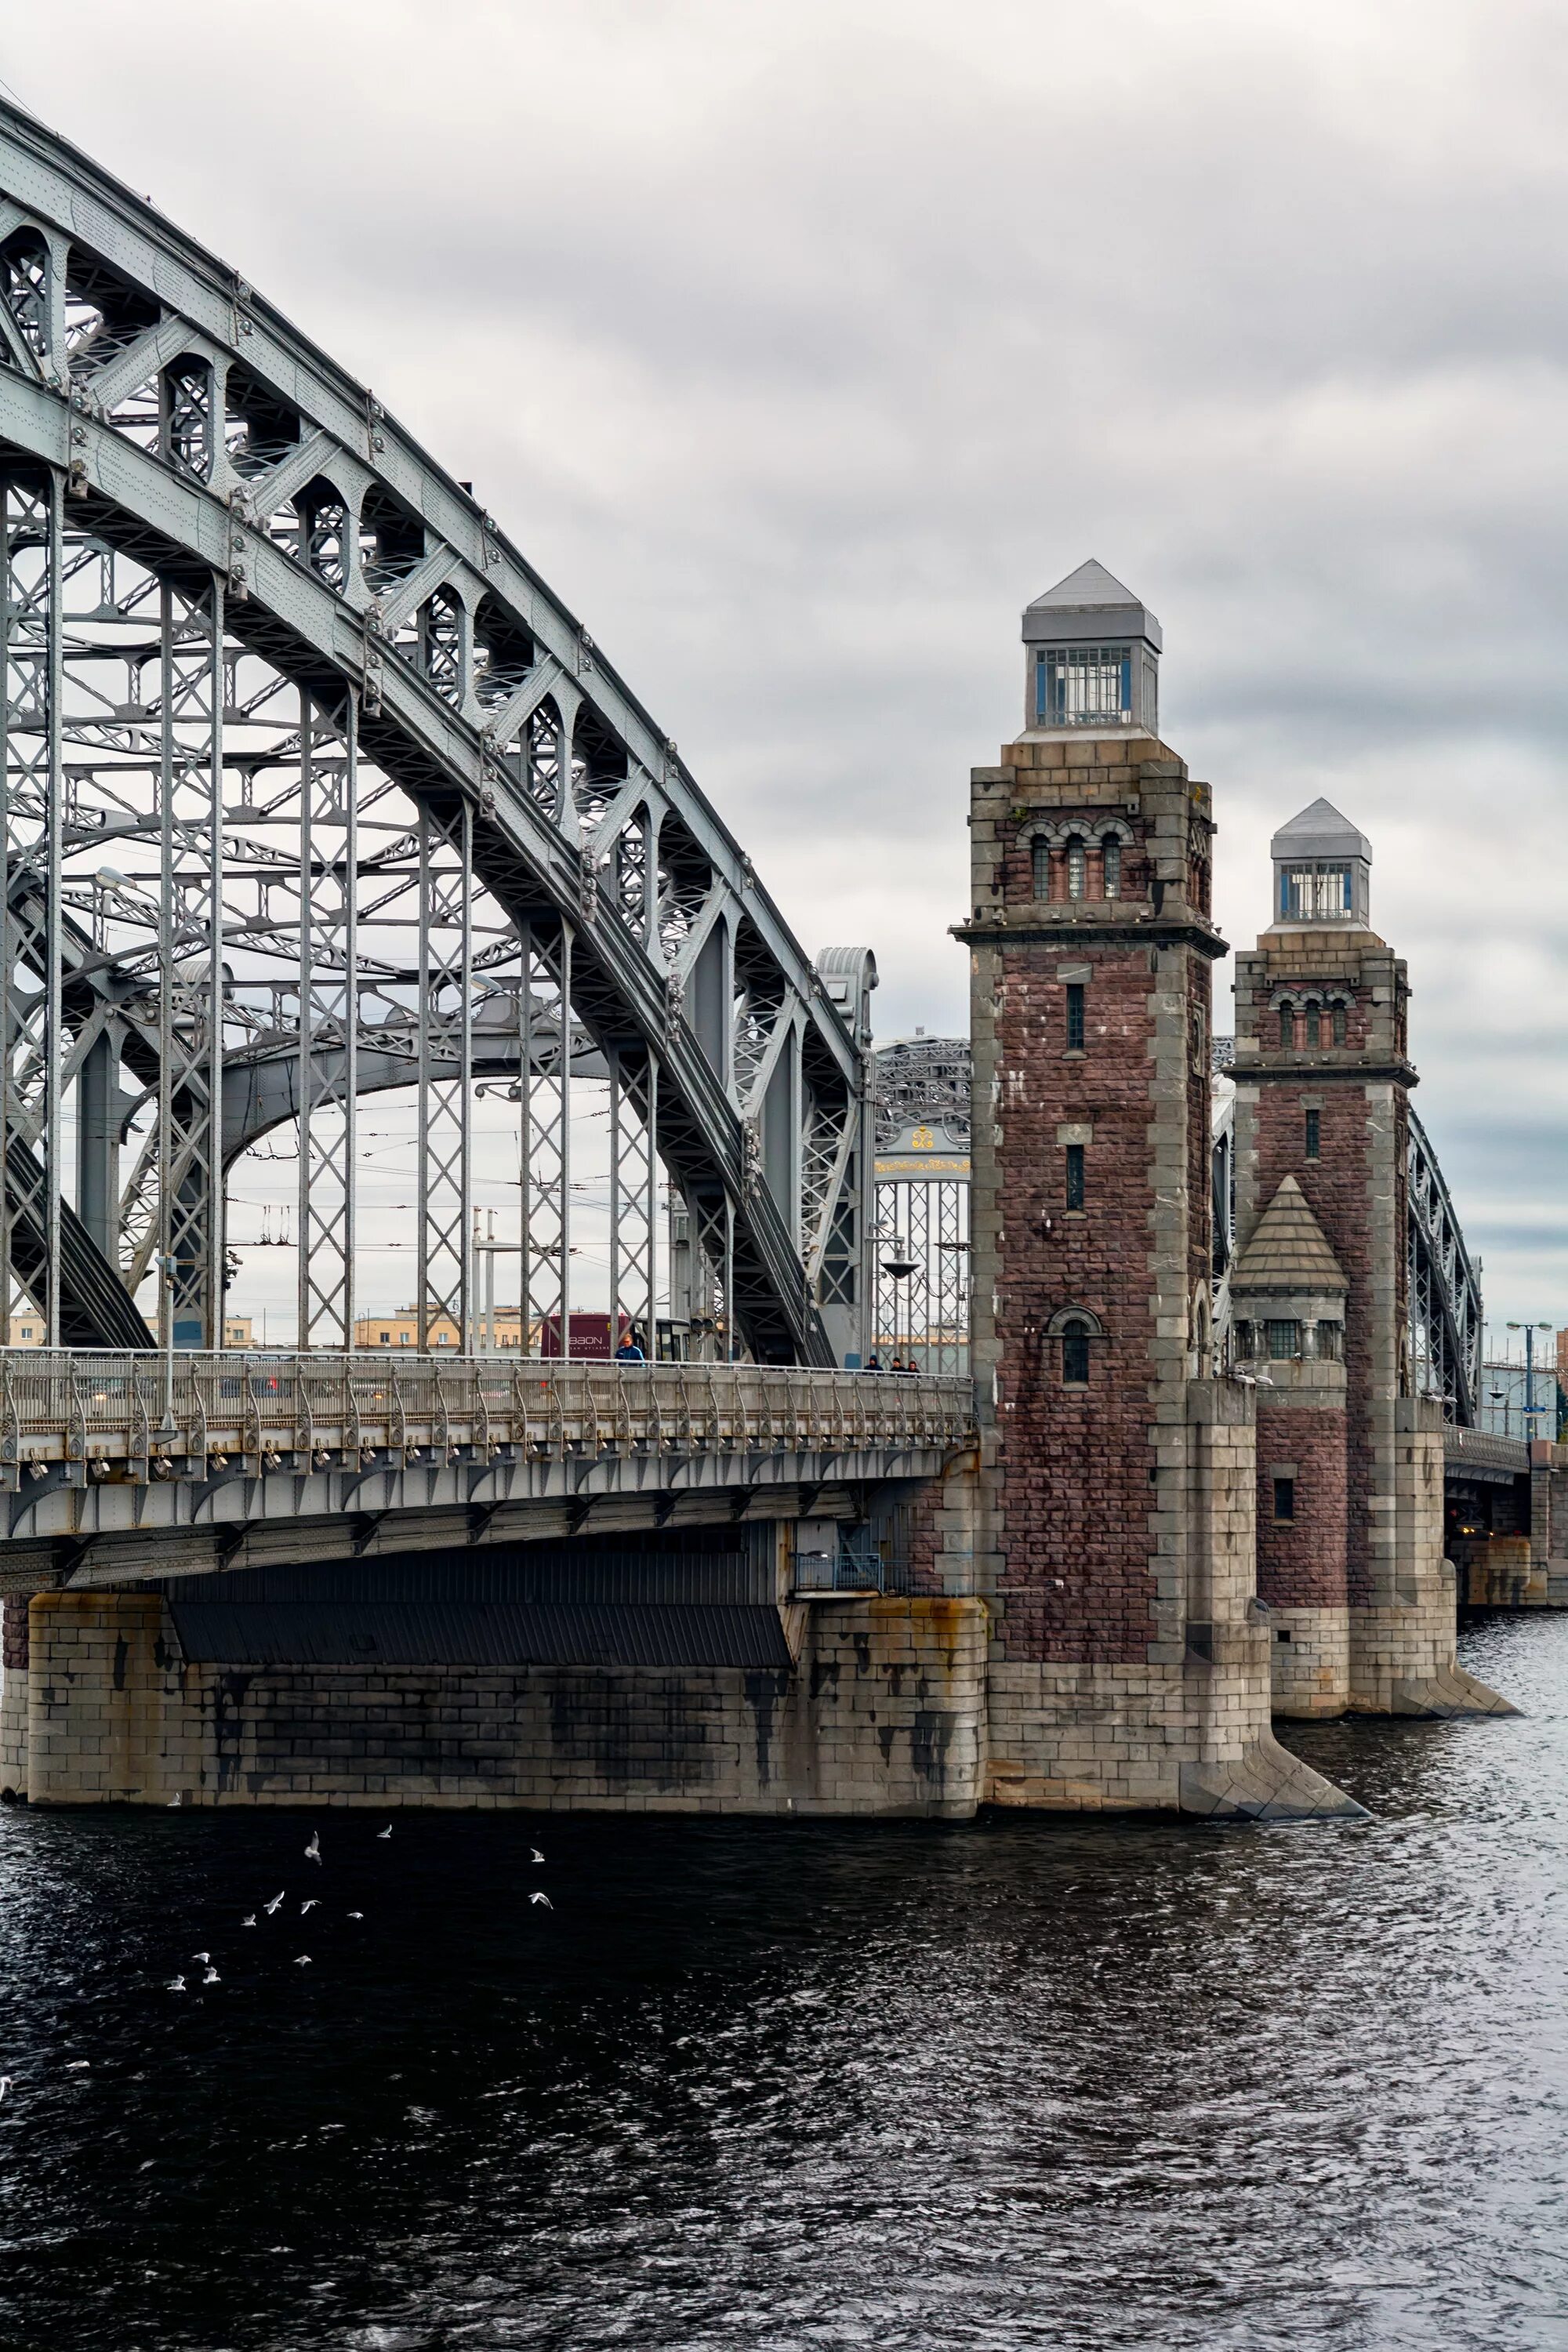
212,1977
534,1854
539,1896
4,2084
304,1961
313,1905
176,1984
249,1920
356,1914
381,1835
270,1907
313,1851
206,1958
176,1798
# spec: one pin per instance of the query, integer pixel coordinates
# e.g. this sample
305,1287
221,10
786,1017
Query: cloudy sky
799,342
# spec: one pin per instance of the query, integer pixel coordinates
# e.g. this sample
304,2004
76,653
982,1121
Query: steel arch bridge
310,786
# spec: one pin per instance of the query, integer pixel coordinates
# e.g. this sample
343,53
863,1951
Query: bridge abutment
881,1710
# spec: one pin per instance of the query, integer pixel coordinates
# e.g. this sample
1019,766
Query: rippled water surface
748,2085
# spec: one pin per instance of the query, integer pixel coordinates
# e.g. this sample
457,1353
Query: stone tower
1323,1080
1131,1662
1287,1315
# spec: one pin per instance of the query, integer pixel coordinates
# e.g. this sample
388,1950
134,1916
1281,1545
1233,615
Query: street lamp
1530,1330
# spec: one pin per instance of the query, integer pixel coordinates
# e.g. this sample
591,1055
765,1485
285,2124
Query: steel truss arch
1446,1310
225,565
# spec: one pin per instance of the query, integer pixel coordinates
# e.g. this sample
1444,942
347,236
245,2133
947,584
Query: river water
747,2085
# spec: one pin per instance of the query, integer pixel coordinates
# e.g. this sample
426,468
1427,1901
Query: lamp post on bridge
1530,1330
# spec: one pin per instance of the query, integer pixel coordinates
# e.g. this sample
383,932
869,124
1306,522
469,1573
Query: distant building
25,1329
501,1326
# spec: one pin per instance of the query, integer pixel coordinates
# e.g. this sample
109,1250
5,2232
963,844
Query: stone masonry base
1402,1659
1310,1654
1103,1739
883,1713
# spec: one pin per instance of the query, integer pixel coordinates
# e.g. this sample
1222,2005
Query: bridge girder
255,632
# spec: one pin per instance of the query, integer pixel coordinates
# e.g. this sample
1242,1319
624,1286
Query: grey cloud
800,345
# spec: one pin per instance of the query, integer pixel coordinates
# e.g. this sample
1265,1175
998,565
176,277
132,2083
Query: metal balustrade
144,1418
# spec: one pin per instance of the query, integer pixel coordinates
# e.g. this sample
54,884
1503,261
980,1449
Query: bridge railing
155,1416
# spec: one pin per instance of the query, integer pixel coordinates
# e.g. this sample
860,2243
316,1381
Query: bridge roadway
124,1466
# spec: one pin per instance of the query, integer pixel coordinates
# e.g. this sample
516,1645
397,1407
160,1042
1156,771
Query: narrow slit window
1113,869
1339,1024
1314,1119
1075,1017
1286,1029
1284,1502
1075,1176
1314,1026
1042,863
1078,869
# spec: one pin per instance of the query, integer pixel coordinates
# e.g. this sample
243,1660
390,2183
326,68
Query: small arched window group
1310,1023
1078,860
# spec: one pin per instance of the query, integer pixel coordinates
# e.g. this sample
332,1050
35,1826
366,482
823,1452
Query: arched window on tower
1287,1026
1042,866
1339,1024
1077,867
1112,867
1075,1353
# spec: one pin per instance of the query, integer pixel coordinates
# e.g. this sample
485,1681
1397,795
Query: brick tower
1322,1081
1131,1663
1288,1316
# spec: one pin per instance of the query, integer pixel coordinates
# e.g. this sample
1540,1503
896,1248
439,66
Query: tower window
1078,868
1042,858
1286,1024
1314,1026
1284,1340
1075,1017
1075,1354
1331,1342
1084,686
1315,893
1113,869
1075,1176
1339,1024
1284,1502
1314,1119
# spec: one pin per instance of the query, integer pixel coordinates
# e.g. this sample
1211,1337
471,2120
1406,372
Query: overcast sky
800,343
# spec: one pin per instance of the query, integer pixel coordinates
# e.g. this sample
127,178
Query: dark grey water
1018,2085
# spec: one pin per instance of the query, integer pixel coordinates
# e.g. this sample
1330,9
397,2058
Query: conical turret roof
1091,583
1321,832
1289,1249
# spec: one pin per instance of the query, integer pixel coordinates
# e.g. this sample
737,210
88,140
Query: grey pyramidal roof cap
1289,1249
1088,604
1320,832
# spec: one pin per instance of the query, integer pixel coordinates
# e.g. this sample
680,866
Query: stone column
106,1719
14,1694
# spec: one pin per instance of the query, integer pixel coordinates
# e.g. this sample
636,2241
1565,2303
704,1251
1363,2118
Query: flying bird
176,1984
4,2084
212,1977
206,1958
270,1907
304,1961
75,2065
250,1920
384,1834
539,1897
535,1855
176,1798
313,1905
313,1851
356,1914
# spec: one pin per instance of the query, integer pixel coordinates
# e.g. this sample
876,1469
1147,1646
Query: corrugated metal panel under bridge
450,1632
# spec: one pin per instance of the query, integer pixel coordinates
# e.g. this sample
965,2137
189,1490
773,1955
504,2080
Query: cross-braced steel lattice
309,788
